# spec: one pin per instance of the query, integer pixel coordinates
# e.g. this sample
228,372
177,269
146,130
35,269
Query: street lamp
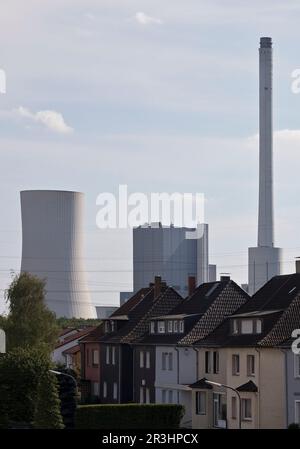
64,374
217,384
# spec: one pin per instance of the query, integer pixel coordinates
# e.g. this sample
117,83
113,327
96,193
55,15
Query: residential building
69,340
251,360
169,342
122,328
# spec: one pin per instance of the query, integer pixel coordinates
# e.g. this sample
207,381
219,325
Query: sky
159,95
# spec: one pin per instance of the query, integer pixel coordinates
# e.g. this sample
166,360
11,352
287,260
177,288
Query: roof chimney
225,277
191,284
158,285
297,264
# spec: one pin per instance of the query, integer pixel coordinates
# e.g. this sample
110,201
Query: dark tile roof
281,298
201,384
140,314
207,307
132,302
249,387
75,336
94,335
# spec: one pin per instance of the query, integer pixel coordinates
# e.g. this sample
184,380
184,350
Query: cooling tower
52,249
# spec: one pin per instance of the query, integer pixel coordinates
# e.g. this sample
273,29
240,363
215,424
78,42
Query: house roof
203,311
141,308
94,335
72,350
201,384
75,336
249,387
278,305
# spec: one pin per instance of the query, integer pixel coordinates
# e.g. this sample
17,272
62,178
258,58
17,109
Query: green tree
28,390
29,322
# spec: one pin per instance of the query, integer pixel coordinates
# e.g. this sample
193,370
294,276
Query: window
170,361
200,403
164,396
246,409
112,326
148,359
235,327
147,396
95,357
207,362
113,355
141,395
297,412
164,360
88,357
115,391
105,389
250,365
233,407
170,326
181,326
235,364
170,395
247,327
106,327
175,326
107,355
141,359
258,326
95,389
297,365
215,362
152,327
161,327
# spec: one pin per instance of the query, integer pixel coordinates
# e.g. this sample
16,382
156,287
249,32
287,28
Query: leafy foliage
28,390
129,416
29,322
64,323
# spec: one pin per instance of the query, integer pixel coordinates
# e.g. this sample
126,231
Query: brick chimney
157,286
225,277
191,284
298,265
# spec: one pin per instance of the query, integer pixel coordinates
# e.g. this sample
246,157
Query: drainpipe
177,350
285,355
259,385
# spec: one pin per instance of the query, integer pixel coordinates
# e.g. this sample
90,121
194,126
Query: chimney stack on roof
158,285
191,284
298,265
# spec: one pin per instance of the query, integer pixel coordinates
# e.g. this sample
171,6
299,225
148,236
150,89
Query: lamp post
217,384
64,374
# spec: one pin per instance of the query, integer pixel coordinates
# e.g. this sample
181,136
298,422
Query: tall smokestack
265,214
264,260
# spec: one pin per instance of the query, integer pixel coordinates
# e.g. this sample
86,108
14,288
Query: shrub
129,416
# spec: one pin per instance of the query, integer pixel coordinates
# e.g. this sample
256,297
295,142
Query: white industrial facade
52,249
264,260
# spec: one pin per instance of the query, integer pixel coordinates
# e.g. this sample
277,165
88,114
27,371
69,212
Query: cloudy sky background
159,95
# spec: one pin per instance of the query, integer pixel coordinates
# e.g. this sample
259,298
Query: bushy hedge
129,416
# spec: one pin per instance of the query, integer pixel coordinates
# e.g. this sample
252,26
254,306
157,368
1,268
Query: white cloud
144,19
50,119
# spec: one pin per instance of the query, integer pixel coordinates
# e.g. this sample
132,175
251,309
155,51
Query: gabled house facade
170,339
245,354
122,329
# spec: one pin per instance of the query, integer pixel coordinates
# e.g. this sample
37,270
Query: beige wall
267,405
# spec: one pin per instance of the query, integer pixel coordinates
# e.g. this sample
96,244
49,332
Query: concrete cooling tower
52,249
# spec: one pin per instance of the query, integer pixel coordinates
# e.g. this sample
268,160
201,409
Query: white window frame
175,326
148,360
245,330
95,357
170,326
107,357
95,389
201,410
181,326
170,361
141,395
235,371
107,327
244,417
142,363
250,365
105,389
164,396
170,396
115,390
152,327
258,326
161,328
112,326
297,411
113,355
297,366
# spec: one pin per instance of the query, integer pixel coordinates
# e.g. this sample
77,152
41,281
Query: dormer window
112,325
170,326
152,327
175,326
181,326
161,327
107,327
246,326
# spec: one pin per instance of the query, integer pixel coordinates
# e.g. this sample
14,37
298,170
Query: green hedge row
129,416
